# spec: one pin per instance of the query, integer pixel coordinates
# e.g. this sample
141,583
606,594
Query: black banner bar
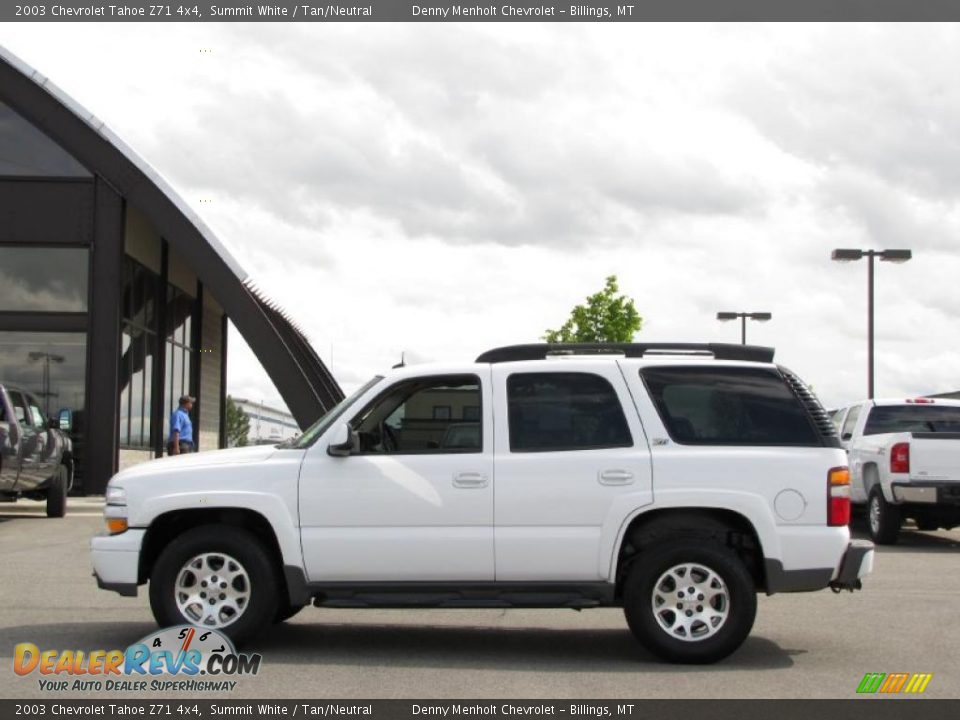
496,11
873,708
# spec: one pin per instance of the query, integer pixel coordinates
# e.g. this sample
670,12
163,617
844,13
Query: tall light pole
47,358
742,316
851,255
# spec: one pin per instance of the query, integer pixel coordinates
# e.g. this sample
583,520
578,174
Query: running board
463,595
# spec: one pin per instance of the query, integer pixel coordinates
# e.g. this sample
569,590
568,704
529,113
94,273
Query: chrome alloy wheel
874,513
691,602
212,590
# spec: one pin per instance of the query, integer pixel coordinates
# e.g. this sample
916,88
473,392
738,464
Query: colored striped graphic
893,683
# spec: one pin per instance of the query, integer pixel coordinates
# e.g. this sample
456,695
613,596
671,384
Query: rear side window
728,406
564,411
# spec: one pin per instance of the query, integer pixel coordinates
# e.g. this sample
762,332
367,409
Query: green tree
605,317
238,425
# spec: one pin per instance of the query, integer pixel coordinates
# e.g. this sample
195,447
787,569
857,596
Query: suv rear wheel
215,577
689,601
883,519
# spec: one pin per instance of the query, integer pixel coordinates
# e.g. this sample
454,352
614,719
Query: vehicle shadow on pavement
446,646
316,643
912,540
488,648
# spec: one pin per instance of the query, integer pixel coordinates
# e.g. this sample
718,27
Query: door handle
616,477
470,480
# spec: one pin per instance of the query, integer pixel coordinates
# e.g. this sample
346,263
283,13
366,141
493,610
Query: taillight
838,497
900,458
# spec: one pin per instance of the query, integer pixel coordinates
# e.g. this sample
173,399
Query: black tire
883,519
57,494
259,608
285,611
741,601
927,525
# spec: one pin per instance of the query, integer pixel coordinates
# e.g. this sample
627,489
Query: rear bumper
927,492
856,564
116,561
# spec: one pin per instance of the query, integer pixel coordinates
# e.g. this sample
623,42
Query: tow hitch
857,562
838,587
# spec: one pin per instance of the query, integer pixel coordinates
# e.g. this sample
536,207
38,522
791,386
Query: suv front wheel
689,602
218,577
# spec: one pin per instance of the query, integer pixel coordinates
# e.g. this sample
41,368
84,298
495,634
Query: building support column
103,348
196,366
158,409
223,380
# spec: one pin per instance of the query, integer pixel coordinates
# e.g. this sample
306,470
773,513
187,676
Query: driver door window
19,408
405,420
850,423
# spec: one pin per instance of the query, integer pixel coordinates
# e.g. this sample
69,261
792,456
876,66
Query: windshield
319,427
913,418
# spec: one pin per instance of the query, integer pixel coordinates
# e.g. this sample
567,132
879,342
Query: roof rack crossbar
540,351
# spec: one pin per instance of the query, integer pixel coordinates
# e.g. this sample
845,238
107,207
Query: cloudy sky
441,189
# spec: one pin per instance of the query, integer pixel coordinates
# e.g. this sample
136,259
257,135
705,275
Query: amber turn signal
115,526
840,476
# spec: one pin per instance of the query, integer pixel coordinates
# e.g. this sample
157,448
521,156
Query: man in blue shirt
181,428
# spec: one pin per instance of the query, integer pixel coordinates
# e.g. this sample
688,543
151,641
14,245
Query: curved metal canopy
304,382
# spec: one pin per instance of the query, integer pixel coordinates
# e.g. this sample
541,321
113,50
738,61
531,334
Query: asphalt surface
811,645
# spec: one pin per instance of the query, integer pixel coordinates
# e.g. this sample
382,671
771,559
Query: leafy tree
605,317
238,425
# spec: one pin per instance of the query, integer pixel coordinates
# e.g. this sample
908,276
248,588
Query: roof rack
541,351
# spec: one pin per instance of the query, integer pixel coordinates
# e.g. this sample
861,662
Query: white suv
674,481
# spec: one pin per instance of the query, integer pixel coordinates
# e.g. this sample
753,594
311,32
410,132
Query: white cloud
444,188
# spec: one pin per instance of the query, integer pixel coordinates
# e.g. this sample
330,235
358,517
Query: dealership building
268,424
114,296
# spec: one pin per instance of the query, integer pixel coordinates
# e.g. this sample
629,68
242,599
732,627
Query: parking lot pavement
806,645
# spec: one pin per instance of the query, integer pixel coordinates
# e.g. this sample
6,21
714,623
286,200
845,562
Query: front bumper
116,561
856,564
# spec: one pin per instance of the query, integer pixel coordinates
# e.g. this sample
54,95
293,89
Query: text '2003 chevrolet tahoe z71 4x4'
674,481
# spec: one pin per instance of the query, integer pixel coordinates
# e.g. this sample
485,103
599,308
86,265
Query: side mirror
64,420
343,441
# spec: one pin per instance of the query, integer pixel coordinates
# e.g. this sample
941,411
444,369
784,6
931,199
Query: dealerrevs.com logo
181,659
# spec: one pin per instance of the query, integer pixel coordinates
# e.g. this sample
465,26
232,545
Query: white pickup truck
904,462
673,481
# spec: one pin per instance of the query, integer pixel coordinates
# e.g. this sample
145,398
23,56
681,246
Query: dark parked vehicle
36,454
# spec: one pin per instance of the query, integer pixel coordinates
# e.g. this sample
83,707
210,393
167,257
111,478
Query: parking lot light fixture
743,317
850,255
846,255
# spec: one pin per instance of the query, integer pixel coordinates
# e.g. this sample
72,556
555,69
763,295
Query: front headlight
115,510
116,496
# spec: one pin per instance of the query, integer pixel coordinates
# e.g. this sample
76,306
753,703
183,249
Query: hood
176,463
